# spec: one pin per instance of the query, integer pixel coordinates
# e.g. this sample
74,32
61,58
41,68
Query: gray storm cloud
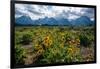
41,11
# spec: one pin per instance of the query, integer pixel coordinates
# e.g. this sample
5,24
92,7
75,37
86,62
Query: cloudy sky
41,11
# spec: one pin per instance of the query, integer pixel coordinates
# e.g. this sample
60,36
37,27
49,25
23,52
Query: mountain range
81,21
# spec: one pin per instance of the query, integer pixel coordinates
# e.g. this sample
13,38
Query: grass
54,44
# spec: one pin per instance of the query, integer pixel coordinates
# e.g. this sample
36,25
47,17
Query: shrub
61,54
26,38
73,54
18,37
84,40
53,55
19,54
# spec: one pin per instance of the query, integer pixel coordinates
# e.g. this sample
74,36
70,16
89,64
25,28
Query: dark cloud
89,12
18,12
74,13
33,10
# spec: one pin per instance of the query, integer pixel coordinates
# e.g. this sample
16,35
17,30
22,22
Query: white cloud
72,17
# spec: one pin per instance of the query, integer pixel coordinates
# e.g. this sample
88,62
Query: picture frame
13,33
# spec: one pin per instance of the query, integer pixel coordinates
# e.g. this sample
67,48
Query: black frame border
12,30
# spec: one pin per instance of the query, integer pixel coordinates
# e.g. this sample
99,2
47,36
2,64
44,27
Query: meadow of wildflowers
53,44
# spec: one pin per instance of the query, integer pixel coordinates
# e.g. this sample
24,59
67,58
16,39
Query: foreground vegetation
49,45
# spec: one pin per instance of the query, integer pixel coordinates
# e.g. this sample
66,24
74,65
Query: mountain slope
82,21
26,20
